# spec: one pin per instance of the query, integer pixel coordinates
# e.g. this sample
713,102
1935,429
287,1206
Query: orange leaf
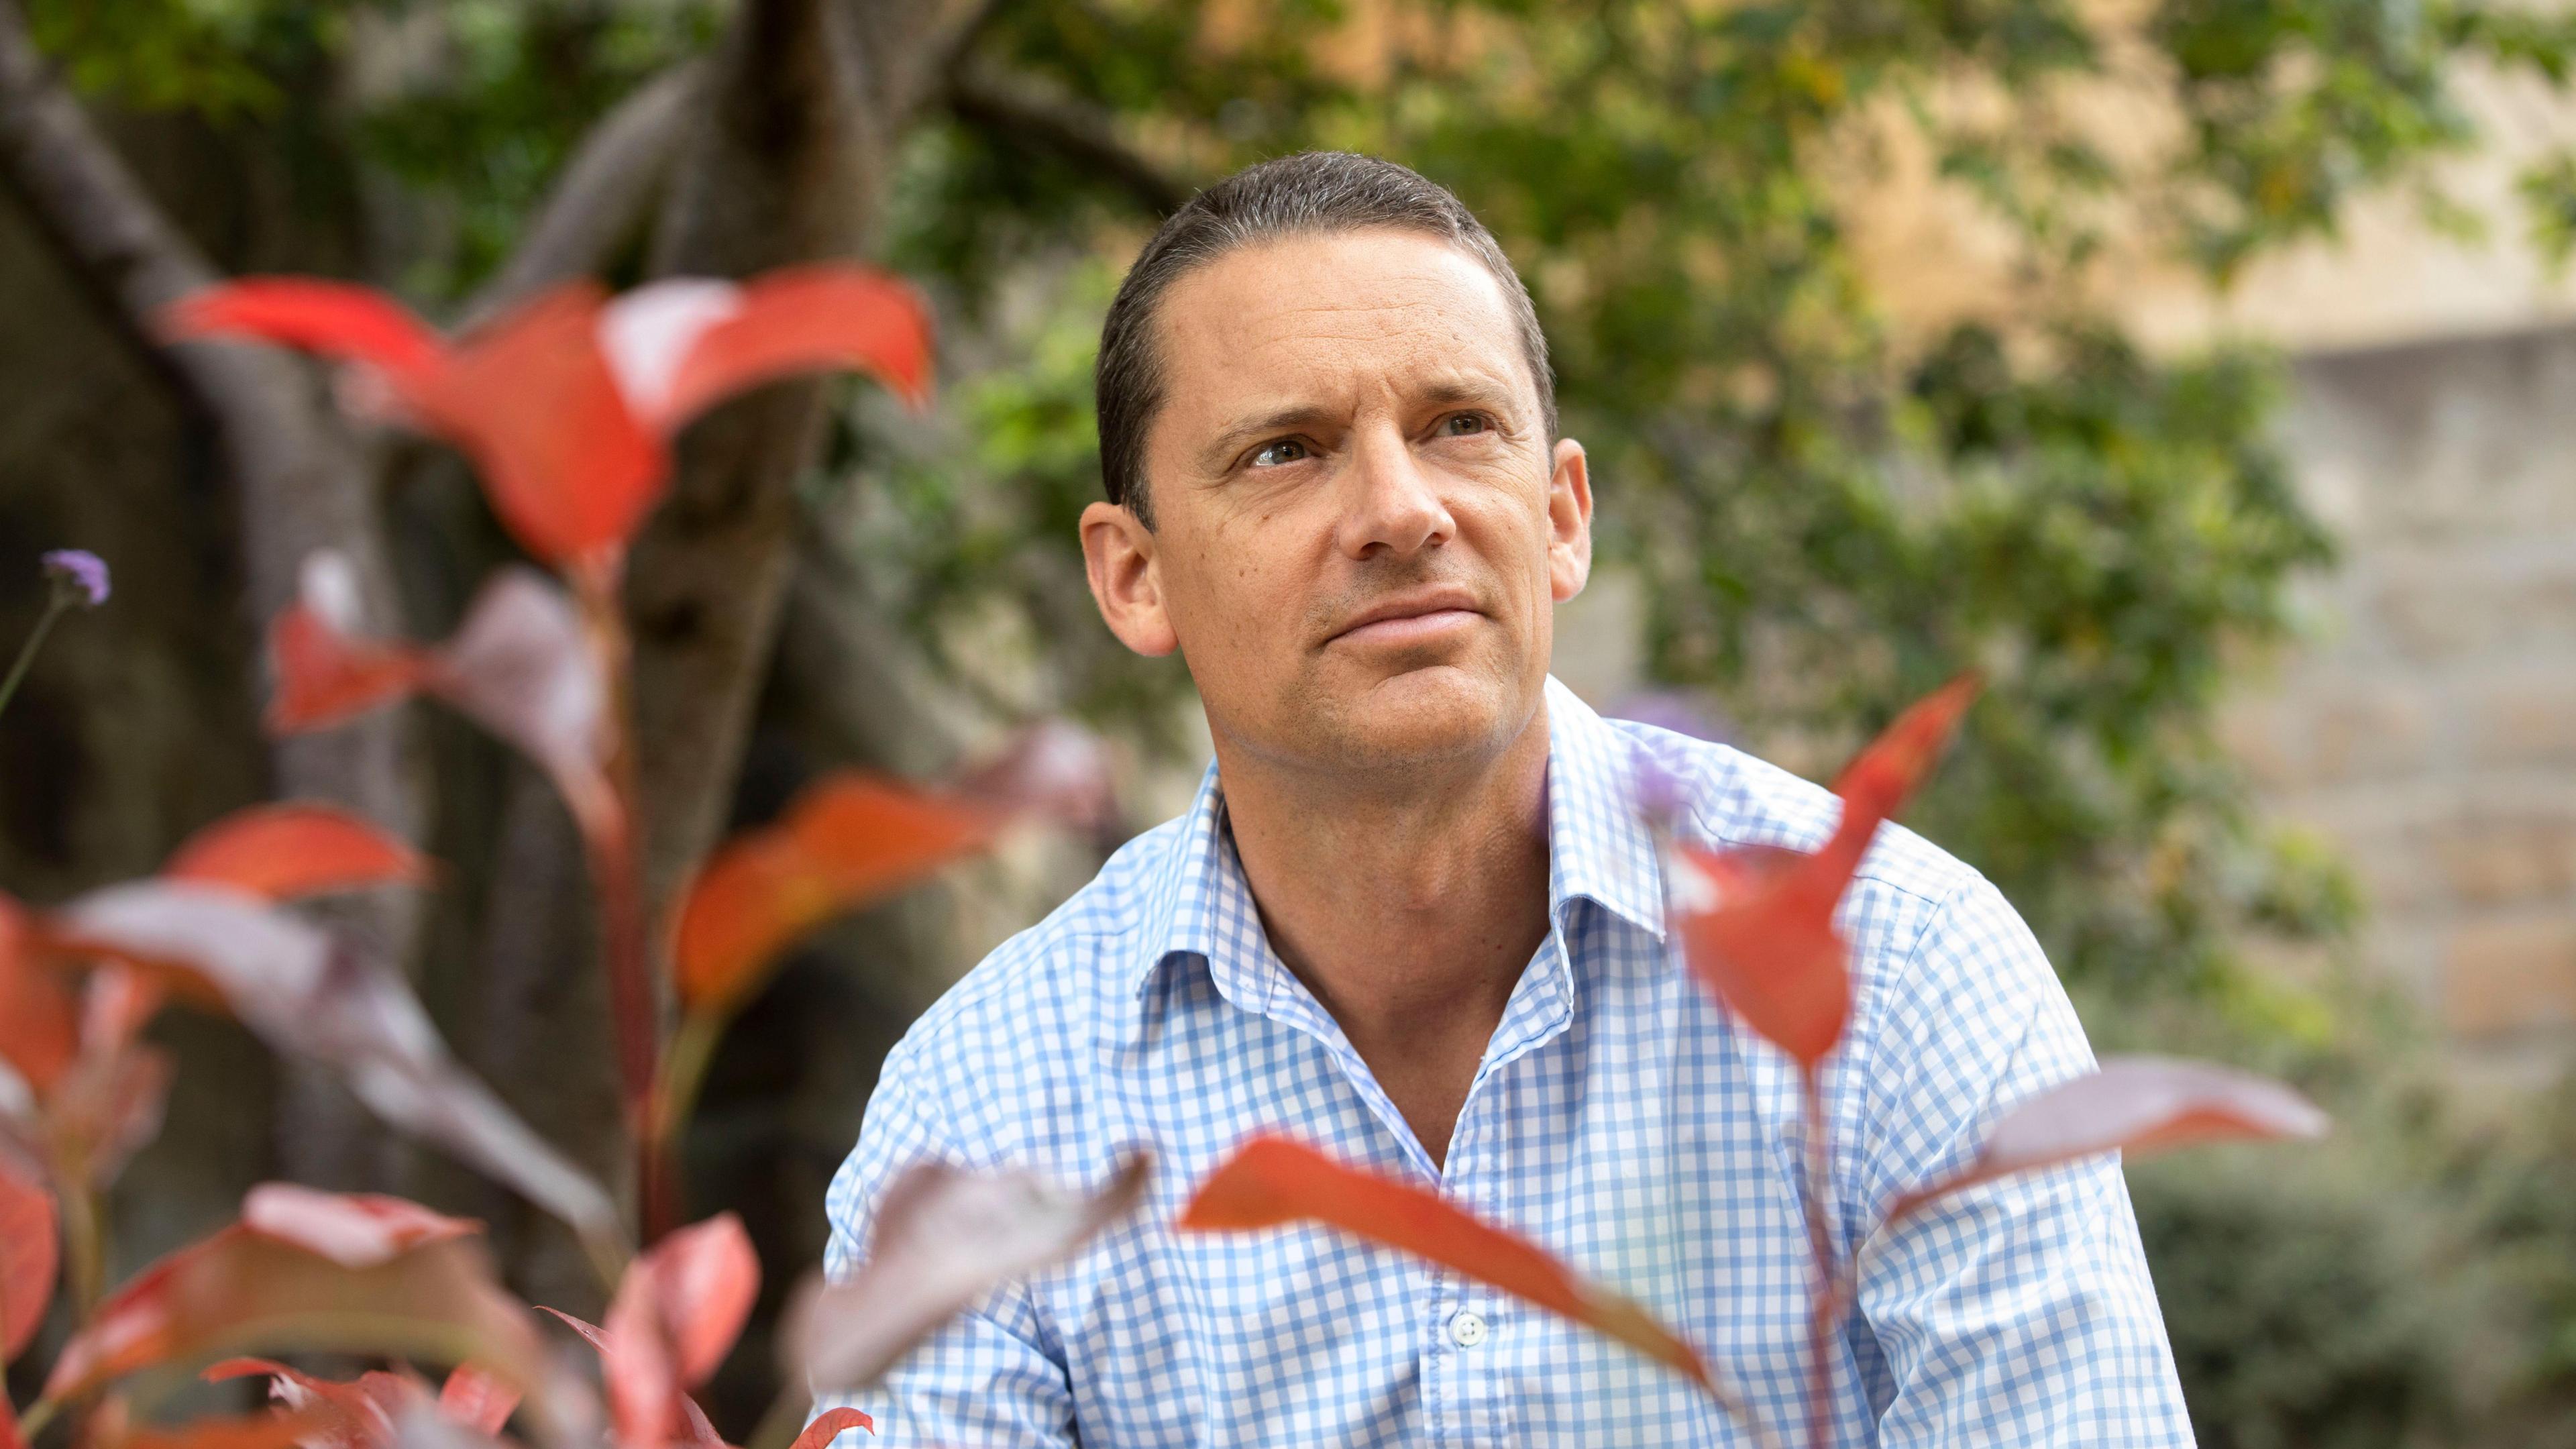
29,1255
1272,1181
803,319
831,1424
847,841
284,851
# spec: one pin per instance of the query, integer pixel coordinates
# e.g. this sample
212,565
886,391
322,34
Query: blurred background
2201,369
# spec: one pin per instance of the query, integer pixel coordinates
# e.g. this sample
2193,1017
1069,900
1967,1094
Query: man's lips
1412,619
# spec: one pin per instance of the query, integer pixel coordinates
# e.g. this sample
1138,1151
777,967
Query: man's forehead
1305,310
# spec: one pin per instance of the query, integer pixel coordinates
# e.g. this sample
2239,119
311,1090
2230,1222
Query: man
1414,919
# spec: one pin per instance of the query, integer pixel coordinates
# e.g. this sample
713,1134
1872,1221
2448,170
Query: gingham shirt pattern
1619,1117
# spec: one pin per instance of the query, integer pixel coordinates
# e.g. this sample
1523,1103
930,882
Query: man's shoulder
1030,1007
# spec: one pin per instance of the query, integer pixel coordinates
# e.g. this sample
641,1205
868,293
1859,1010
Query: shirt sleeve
2020,1312
987,1377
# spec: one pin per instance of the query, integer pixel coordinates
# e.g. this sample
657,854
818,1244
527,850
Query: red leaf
284,851
244,1289
311,994
354,1230
10,1438
831,1424
944,1237
335,319
115,1003
1272,1181
702,1281
519,667
320,1424
39,1019
30,1252
1757,923
107,1107
477,1400
2134,1105
676,1313
1757,929
568,468
361,1414
1880,779
679,347
642,1392
847,840
325,673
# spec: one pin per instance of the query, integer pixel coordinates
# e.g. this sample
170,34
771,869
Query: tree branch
1021,111
605,195
298,479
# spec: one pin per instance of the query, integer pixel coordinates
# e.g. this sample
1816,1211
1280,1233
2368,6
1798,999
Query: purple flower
79,576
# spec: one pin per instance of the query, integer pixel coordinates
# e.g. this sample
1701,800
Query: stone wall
2428,725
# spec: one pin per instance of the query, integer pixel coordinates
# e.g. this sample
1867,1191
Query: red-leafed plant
1757,929
566,407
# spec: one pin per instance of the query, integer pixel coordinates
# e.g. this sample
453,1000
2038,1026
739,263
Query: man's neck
1409,907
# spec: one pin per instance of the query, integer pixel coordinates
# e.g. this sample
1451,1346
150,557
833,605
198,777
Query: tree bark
300,483
790,164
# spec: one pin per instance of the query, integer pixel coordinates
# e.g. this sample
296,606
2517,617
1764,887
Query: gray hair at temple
1312,193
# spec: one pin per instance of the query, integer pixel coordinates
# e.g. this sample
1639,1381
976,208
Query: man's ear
1569,522
1118,555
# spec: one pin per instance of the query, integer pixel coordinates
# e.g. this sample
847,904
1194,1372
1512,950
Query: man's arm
2019,1313
986,1378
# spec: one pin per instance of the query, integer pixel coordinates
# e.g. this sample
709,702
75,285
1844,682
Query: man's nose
1392,504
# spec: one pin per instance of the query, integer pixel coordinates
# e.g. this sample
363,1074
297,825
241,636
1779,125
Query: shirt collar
1598,850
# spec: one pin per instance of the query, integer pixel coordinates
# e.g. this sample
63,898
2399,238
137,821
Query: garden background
2196,369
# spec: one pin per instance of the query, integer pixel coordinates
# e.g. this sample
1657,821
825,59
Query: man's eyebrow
1220,451
1471,387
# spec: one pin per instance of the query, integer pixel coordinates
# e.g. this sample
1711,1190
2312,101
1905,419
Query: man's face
1361,527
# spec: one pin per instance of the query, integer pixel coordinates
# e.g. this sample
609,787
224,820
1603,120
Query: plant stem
84,1248
616,851
1820,1319
684,1072
54,607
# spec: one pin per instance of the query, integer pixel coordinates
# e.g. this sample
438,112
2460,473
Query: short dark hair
1311,193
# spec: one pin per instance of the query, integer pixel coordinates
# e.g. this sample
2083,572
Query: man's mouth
1411,618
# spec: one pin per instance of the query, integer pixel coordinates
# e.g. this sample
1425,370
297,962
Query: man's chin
1426,714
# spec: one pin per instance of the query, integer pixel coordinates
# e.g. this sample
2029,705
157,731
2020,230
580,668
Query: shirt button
1466,1330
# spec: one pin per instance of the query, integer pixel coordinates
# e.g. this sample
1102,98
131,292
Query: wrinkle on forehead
1304,314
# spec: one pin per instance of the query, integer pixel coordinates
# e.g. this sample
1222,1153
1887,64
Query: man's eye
1271,455
1459,425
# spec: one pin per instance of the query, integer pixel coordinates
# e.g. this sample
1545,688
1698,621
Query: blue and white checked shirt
1619,1117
